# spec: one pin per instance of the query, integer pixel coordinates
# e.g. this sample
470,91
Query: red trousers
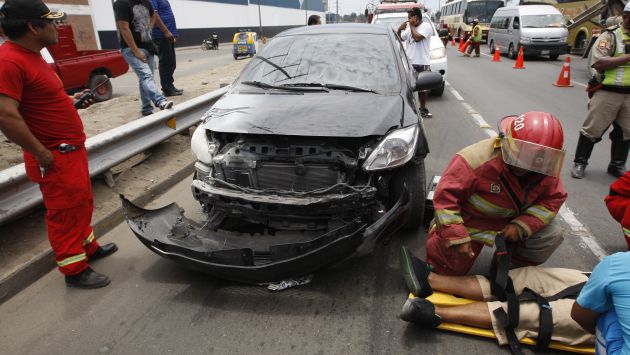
67,192
618,206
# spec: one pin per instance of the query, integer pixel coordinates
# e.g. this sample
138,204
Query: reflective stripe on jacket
619,76
477,36
478,195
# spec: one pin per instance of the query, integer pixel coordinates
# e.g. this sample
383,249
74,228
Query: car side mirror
428,80
443,32
516,26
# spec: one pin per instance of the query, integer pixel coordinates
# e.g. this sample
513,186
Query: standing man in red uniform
37,114
507,185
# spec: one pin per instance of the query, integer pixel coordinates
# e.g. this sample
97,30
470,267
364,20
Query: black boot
618,157
416,274
582,154
421,312
103,251
87,279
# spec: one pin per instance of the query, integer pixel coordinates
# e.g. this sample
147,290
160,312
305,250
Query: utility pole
305,10
259,20
337,17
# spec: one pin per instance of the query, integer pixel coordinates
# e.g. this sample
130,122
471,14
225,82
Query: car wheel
511,52
102,92
554,56
491,47
413,177
204,47
438,92
235,57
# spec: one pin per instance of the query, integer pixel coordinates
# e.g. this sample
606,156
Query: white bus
458,15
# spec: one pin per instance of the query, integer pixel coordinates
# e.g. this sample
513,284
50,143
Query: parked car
538,29
439,60
314,154
79,70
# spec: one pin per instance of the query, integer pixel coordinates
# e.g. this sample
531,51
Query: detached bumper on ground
255,258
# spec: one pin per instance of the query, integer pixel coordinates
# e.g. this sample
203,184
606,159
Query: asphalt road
154,306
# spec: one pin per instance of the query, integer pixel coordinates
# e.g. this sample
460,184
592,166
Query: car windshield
394,22
482,10
338,61
538,21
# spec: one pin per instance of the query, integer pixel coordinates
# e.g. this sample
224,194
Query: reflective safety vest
619,76
479,35
478,195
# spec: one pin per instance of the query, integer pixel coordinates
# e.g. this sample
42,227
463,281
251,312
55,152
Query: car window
360,60
393,22
539,21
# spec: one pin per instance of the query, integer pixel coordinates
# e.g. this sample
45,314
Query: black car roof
341,28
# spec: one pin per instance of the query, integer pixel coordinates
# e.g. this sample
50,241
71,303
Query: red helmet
533,141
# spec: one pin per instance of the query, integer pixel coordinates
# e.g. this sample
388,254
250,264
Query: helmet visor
531,156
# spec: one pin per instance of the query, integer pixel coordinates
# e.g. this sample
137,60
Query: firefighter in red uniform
37,114
507,185
618,203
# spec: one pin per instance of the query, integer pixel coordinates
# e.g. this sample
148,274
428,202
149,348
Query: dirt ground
123,109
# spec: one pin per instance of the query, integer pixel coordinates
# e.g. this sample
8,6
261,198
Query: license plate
242,49
545,52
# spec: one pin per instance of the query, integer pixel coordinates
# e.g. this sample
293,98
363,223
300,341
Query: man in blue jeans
603,307
135,20
165,36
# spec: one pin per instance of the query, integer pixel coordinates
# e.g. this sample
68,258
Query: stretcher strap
545,320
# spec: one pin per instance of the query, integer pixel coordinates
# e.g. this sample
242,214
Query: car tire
511,52
235,57
554,56
413,176
491,47
103,92
439,91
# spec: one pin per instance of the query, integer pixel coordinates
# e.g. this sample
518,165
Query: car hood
334,114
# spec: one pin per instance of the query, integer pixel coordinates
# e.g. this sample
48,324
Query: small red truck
84,69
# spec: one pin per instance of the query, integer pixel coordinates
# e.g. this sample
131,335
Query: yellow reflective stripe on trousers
482,236
489,208
626,232
71,260
89,239
445,217
540,212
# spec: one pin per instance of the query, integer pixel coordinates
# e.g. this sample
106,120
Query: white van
439,61
538,29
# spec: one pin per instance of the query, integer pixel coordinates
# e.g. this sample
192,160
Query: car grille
283,176
295,177
546,40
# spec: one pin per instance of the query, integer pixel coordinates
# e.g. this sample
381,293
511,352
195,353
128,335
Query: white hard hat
627,8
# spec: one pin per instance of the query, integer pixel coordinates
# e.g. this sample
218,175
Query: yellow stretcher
446,300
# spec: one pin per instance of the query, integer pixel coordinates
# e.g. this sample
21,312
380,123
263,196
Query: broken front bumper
255,258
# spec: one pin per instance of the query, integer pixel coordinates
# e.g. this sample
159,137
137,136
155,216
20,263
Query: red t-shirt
46,108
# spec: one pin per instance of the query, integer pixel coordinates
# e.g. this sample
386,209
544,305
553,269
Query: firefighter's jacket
477,196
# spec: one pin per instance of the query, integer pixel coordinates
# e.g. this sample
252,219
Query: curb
44,262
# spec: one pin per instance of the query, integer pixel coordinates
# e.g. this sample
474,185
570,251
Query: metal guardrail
106,150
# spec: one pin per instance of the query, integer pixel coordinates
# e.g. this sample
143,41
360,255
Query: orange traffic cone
466,46
564,79
453,41
461,44
497,55
519,60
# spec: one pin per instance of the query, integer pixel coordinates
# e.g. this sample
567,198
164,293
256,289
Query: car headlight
199,146
396,149
526,40
438,53
563,39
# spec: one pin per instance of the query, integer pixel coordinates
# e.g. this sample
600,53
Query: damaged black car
315,153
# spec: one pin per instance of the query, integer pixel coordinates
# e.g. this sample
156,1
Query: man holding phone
38,115
417,36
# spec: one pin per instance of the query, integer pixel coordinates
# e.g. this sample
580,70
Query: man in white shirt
417,36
